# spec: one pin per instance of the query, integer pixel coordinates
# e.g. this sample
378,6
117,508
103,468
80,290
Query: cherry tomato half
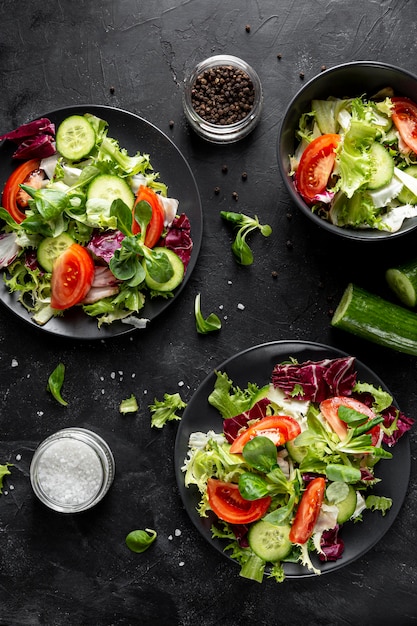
72,277
14,199
156,225
308,511
404,116
279,428
329,409
227,503
316,165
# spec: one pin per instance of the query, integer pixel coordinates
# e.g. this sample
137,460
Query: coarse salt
70,472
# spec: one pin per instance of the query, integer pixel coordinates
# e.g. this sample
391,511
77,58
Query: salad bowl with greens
104,195
347,150
291,459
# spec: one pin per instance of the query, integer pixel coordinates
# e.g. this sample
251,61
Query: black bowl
348,80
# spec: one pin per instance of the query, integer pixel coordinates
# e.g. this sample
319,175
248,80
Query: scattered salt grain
177,532
113,375
221,307
229,282
14,363
102,378
11,487
181,383
170,537
241,306
181,563
18,457
39,413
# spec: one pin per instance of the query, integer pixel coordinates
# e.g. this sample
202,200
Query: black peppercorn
223,95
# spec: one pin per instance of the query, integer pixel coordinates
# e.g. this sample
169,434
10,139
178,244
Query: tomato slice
278,428
14,199
404,116
227,503
156,225
72,277
308,511
316,165
329,409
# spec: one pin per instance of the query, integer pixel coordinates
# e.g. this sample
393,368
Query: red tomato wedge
316,165
227,503
156,225
14,199
329,409
72,277
404,116
279,428
308,511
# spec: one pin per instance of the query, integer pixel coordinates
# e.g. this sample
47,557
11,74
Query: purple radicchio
178,238
332,545
35,140
232,425
316,380
104,245
9,249
404,424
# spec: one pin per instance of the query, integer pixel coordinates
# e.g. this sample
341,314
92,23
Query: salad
356,161
88,225
295,460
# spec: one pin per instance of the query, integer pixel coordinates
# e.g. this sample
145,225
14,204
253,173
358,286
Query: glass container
217,88
72,470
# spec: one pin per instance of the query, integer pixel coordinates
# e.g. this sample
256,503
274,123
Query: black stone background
76,570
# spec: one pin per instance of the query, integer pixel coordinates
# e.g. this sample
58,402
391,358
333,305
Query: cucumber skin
175,280
402,280
383,166
347,506
370,317
276,553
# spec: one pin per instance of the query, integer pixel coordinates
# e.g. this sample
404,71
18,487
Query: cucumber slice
50,248
406,196
297,453
370,317
382,165
111,187
402,280
75,138
347,506
270,543
176,278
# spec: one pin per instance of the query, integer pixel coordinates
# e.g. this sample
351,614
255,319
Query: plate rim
197,521
10,300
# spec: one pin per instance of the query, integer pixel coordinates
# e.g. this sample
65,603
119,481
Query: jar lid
222,99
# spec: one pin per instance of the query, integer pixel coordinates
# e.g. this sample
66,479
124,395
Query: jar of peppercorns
222,99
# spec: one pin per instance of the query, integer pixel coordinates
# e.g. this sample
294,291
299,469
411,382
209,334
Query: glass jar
72,470
218,72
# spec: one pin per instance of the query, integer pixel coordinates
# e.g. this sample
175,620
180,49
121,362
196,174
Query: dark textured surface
57,570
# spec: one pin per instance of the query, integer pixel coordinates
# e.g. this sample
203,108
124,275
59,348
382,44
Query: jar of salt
72,470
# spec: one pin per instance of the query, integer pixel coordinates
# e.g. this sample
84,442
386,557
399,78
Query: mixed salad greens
88,225
295,460
356,161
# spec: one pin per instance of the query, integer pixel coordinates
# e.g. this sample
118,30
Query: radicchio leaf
178,238
404,424
232,425
331,544
103,246
41,126
316,380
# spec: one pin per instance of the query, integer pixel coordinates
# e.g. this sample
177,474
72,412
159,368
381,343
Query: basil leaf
252,486
124,216
55,382
260,453
140,540
343,473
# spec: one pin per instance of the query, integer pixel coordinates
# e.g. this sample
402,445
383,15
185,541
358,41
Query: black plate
256,365
133,133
